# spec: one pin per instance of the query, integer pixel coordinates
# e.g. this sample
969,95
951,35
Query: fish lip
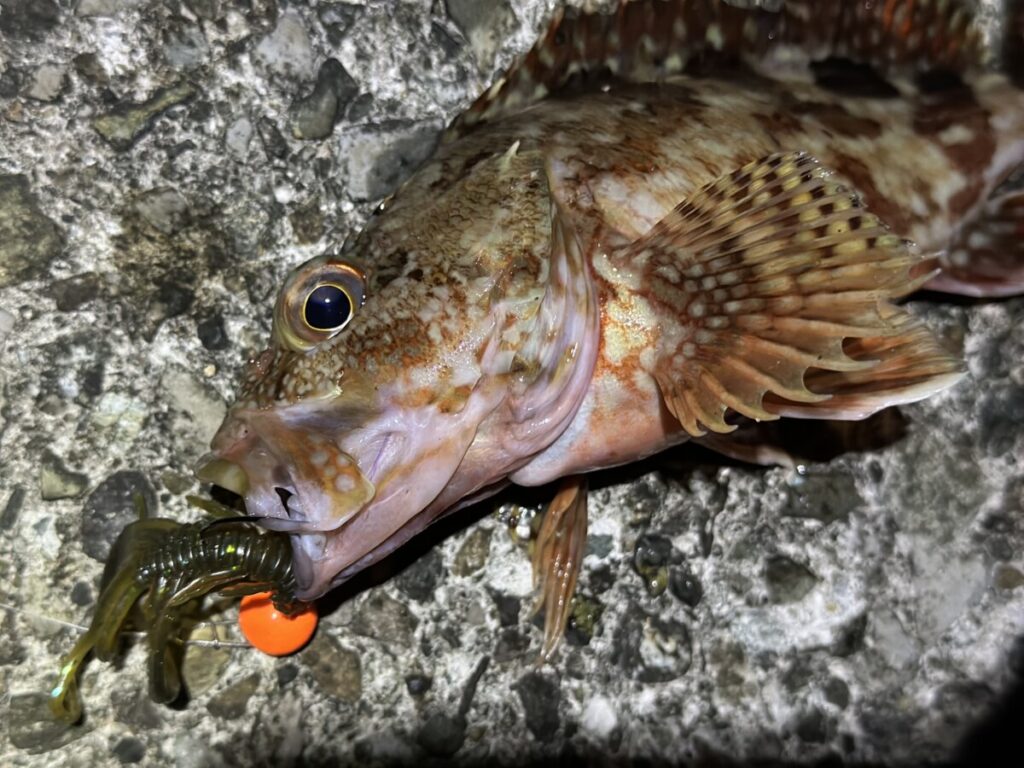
284,489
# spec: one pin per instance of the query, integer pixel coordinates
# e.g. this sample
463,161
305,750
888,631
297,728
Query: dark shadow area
958,300
996,740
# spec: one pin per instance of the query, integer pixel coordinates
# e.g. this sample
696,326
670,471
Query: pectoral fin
557,557
773,289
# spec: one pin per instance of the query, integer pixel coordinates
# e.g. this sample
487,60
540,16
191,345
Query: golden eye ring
319,299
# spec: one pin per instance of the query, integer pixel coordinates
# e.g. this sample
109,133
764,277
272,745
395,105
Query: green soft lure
163,566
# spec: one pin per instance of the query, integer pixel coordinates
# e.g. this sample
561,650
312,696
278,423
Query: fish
660,224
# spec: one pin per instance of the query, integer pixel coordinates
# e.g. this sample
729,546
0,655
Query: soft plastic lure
160,567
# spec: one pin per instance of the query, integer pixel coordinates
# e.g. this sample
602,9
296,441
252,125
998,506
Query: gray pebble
287,50
336,669
313,117
48,83
230,703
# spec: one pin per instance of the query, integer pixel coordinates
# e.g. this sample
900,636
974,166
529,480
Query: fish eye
318,300
328,307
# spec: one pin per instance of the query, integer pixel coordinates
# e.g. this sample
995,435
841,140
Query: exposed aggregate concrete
163,163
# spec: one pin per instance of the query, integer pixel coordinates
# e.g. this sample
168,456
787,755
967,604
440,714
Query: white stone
287,50
599,717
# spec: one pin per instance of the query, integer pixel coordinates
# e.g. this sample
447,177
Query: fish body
639,236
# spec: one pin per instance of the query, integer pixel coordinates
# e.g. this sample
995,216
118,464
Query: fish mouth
292,480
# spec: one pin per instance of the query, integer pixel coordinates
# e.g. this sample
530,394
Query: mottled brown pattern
837,119
967,198
959,110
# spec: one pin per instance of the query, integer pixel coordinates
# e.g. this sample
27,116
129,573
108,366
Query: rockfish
659,224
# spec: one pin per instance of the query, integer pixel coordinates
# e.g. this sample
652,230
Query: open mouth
304,484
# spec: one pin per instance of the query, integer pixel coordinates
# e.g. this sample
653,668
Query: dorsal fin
649,40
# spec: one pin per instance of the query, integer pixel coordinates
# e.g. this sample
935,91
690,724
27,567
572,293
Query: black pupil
327,307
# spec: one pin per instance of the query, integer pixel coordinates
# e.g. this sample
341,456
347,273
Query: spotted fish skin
647,231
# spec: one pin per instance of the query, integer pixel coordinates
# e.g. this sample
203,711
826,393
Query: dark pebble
851,638
337,670
601,579
837,692
651,649
74,292
10,82
110,507
129,750
286,673
796,677
812,727
511,646
313,116
421,578
684,586
1001,417
126,122
540,697
212,334
308,221
381,616
418,684
12,509
441,735
81,594
826,497
274,143
360,108
89,68
508,608
230,703
651,557
172,299
447,42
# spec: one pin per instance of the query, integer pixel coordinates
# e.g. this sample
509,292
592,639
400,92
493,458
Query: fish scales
660,224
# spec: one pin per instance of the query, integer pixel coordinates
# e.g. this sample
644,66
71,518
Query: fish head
358,414
351,430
